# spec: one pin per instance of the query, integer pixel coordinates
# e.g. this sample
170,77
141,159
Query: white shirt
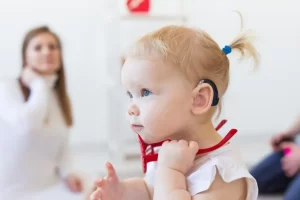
226,160
33,140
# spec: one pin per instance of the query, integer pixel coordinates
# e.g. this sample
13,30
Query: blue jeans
272,180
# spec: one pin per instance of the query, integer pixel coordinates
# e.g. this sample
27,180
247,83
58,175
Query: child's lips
136,127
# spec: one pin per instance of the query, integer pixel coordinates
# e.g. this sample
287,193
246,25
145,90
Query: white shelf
153,17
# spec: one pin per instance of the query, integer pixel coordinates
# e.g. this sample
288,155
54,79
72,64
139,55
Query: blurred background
95,33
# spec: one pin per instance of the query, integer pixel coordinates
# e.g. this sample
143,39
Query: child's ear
202,99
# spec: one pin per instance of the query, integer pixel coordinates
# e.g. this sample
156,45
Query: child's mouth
136,127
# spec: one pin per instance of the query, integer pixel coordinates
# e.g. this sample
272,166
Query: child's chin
149,139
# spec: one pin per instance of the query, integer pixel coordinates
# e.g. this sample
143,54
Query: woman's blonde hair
193,51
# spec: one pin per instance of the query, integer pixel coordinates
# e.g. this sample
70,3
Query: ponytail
243,43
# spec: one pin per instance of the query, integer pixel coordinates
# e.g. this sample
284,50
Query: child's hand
108,188
178,155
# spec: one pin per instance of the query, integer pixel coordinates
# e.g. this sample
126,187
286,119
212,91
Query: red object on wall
138,6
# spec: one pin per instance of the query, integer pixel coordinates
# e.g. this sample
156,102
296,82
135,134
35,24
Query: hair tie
227,49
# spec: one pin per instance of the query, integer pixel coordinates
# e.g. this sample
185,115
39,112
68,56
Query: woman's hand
28,76
290,163
280,137
74,183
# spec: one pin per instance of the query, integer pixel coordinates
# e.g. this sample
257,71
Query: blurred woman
35,116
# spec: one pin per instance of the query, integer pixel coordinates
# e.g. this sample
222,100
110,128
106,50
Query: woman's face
43,54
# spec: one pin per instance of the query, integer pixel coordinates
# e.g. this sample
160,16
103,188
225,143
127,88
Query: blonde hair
195,52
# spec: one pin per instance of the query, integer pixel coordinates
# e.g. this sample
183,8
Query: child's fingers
99,183
194,146
110,170
96,195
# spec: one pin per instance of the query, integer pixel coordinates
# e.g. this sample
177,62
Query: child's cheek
150,113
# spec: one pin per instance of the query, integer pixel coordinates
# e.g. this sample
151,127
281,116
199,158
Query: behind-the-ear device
215,89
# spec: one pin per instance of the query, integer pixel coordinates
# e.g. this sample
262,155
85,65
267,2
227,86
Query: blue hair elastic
227,49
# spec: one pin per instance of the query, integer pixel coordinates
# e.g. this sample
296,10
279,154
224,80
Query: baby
175,78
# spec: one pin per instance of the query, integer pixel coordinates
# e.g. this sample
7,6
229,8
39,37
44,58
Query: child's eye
130,95
146,93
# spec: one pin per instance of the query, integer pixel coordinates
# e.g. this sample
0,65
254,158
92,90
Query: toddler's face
160,99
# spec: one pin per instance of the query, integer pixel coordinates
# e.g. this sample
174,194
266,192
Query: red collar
151,157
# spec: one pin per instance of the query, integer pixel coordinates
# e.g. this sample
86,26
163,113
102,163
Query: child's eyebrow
134,84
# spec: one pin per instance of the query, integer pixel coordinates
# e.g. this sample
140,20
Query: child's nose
133,110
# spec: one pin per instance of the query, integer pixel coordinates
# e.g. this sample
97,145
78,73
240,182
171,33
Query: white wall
256,103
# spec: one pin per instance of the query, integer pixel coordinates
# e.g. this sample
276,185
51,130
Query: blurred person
278,172
36,116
